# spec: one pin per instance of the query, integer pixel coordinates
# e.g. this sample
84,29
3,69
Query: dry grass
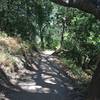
8,46
7,63
10,43
5,59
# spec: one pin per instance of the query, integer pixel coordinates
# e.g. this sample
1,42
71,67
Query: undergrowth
81,78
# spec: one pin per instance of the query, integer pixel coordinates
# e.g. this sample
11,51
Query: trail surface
46,81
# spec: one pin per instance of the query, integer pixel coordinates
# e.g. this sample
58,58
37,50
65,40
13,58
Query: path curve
45,82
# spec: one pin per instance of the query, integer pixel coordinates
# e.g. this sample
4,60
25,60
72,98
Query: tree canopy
74,34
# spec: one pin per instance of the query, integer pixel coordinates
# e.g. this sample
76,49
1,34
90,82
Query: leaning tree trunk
85,5
94,89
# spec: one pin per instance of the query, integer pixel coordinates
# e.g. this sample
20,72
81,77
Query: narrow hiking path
44,81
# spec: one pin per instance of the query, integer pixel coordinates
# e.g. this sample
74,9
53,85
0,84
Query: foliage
49,26
26,25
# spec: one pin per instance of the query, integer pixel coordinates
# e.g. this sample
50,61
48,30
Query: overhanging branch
84,5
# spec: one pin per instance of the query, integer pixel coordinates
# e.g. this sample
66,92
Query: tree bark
84,5
94,88
62,33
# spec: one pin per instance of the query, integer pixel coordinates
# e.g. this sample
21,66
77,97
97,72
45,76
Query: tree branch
84,5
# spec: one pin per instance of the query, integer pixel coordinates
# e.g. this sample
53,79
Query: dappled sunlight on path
46,81
48,52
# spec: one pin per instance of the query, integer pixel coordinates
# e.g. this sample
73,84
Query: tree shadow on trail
47,82
24,95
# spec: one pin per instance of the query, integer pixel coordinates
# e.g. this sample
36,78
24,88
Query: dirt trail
46,81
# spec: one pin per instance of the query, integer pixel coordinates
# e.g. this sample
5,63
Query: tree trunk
94,89
42,39
62,33
84,5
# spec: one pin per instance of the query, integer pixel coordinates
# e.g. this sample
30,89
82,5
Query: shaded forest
72,31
